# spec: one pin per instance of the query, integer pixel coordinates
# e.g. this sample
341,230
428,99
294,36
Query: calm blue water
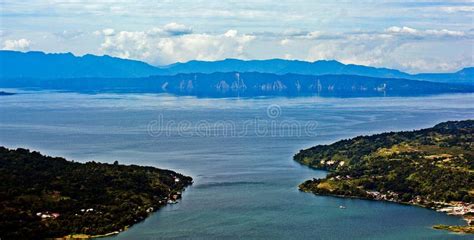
245,182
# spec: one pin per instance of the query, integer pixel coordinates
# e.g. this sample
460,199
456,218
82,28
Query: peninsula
432,168
50,197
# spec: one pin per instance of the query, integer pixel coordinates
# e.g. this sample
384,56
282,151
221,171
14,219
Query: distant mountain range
250,84
65,65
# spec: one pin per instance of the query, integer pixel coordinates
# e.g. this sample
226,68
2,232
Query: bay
239,152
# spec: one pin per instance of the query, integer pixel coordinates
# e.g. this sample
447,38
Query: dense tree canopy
428,165
42,196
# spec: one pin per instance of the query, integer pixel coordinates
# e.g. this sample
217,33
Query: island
431,168
51,197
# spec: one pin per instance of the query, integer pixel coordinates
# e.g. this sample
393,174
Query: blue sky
414,36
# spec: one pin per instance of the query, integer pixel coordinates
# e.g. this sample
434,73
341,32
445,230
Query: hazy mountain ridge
249,84
462,76
280,66
66,65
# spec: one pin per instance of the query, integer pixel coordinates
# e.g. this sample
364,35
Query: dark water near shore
245,180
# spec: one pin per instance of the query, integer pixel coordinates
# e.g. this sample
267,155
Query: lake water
245,181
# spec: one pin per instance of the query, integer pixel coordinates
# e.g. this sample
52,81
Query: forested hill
432,167
46,197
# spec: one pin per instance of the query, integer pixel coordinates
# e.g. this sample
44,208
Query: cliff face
247,85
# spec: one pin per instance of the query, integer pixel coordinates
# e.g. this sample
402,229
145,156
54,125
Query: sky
413,36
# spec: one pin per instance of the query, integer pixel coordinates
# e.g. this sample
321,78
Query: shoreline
461,229
170,200
113,196
454,229
85,236
429,168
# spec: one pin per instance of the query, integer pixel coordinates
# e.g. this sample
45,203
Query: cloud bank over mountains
412,36
174,43
178,43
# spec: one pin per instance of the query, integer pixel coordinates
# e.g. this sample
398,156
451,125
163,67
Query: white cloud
177,29
231,33
396,29
457,9
108,32
445,32
18,45
170,29
158,47
295,33
353,51
423,33
385,48
403,48
285,42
